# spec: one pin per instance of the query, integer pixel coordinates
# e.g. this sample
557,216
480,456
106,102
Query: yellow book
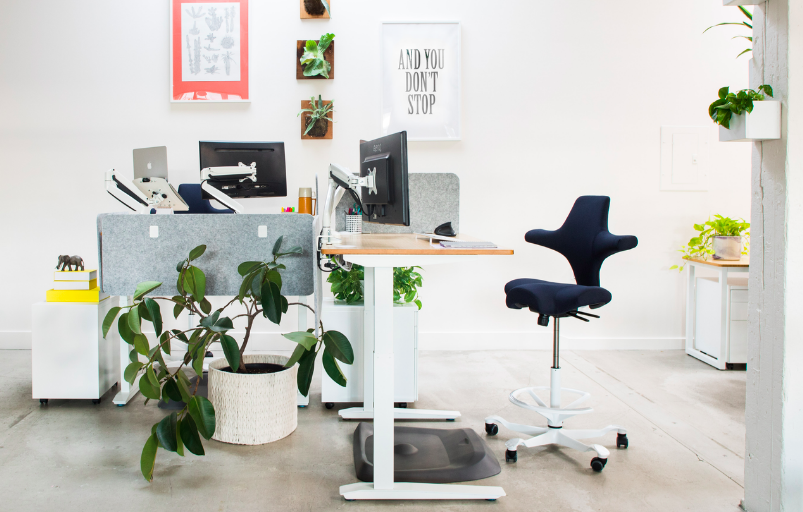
93,295
75,285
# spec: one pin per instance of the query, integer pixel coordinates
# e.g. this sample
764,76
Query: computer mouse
445,229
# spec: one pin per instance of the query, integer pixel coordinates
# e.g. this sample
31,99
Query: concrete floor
685,424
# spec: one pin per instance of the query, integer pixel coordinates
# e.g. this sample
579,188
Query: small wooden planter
307,16
329,129
328,55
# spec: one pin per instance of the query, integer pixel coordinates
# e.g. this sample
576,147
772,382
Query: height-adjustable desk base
361,413
411,491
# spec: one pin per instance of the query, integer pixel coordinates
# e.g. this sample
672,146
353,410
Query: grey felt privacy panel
128,254
434,199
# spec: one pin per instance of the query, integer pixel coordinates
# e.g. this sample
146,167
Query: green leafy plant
260,293
313,59
729,104
346,285
749,16
317,112
700,246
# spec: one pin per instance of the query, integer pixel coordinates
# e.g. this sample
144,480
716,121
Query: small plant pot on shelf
323,128
328,55
254,408
764,123
727,248
311,9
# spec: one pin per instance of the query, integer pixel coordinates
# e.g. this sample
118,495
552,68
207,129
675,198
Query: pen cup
354,223
305,201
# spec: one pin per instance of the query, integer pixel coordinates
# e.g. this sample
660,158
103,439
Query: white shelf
727,3
764,123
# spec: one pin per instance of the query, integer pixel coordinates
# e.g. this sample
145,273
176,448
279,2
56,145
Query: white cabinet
349,320
70,358
708,337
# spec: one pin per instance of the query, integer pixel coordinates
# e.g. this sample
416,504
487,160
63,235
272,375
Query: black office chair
193,196
585,241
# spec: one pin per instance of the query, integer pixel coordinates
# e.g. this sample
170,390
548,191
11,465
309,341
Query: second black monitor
387,158
271,178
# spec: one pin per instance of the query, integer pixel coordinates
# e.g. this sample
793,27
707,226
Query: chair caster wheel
402,405
597,464
621,441
96,401
329,405
491,429
511,456
43,401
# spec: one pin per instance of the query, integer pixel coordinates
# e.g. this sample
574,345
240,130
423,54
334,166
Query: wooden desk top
382,243
744,262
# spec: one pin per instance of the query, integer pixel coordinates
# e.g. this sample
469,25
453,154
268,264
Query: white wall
560,99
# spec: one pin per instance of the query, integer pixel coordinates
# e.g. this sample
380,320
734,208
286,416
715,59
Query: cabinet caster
597,464
96,401
621,441
403,405
511,456
329,405
43,401
491,429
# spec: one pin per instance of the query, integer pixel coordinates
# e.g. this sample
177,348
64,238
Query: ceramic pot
727,248
253,408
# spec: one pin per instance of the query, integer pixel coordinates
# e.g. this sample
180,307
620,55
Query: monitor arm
210,173
341,177
124,190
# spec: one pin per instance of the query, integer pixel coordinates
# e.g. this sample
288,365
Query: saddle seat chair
585,241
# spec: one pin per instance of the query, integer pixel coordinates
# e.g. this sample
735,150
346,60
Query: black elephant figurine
67,262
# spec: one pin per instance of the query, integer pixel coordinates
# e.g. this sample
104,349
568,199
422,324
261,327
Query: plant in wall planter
317,122
348,286
746,115
252,398
316,59
747,15
722,238
315,9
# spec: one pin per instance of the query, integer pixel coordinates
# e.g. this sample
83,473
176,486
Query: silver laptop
150,162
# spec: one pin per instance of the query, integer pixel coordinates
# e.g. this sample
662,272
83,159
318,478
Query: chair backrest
584,238
192,195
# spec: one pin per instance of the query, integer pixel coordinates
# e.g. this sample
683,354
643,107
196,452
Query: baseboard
275,342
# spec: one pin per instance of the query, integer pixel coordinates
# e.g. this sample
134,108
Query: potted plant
316,59
315,9
745,116
722,238
316,119
348,287
252,398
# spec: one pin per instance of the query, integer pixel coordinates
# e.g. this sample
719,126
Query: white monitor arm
210,173
124,190
341,177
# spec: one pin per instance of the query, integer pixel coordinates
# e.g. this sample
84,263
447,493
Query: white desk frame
691,310
378,336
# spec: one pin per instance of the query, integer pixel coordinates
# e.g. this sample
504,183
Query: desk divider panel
128,254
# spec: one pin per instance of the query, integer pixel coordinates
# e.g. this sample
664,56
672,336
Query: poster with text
421,80
209,56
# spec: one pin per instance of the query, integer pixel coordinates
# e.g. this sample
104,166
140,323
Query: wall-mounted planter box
313,9
764,123
727,3
317,131
328,55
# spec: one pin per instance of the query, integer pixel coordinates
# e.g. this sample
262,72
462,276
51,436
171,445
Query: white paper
210,37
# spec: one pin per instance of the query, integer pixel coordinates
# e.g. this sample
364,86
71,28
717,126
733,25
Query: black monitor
387,158
271,171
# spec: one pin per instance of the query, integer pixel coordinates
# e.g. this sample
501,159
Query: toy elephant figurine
67,262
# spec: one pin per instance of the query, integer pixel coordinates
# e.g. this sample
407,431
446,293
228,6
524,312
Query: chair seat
553,299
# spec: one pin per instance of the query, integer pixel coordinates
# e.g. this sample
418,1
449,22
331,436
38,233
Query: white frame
170,46
458,114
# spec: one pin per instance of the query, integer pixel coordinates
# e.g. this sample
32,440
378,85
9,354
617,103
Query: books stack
75,286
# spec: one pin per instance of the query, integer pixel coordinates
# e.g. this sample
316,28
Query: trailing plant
730,104
317,112
261,294
749,16
313,59
346,285
700,246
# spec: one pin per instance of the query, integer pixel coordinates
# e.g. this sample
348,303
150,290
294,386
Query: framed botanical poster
421,79
209,50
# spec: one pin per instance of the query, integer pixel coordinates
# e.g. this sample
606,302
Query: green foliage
700,245
346,285
185,428
729,104
747,15
317,112
313,59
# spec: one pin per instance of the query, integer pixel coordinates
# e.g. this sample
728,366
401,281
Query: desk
723,269
379,253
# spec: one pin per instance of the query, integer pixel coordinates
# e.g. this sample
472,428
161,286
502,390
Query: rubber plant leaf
332,368
189,436
303,338
156,315
166,432
148,457
203,413
338,345
145,288
108,320
197,252
231,350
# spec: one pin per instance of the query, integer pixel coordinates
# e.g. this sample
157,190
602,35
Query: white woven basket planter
253,409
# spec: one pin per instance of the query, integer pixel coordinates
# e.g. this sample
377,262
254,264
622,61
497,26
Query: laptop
150,162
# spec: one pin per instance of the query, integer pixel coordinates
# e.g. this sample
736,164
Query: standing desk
379,253
724,268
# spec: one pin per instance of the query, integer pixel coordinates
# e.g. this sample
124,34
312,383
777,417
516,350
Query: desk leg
127,391
691,309
722,361
301,400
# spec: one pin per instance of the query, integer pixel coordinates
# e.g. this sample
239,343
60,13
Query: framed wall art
421,79
209,51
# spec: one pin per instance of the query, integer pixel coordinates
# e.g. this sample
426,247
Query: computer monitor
271,171
386,158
